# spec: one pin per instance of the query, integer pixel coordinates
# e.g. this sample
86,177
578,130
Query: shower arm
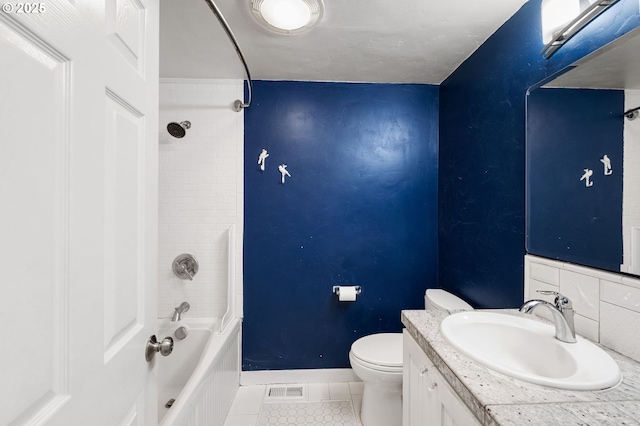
238,105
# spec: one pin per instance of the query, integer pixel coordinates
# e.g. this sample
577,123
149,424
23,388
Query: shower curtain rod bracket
632,113
238,105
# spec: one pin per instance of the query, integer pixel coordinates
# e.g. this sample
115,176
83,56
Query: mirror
583,161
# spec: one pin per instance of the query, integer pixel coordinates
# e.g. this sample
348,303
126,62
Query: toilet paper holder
336,289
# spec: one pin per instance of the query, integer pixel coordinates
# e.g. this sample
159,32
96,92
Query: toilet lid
383,349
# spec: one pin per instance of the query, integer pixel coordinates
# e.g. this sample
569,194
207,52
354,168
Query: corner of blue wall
481,188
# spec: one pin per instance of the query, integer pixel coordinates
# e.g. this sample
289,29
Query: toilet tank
442,300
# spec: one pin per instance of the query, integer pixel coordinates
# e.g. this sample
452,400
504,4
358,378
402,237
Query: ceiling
393,41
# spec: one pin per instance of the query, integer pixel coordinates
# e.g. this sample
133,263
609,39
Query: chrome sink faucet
184,307
562,311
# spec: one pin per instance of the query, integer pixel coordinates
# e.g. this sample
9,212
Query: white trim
324,375
229,81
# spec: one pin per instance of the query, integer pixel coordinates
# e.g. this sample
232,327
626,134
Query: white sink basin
527,349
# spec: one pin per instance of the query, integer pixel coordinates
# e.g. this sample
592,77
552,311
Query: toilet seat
382,351
374,367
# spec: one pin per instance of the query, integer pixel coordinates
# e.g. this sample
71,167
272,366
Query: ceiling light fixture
562,19
288,16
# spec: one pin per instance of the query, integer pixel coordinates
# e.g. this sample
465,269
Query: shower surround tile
201,193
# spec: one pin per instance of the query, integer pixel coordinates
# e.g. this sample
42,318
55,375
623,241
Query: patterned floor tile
321,413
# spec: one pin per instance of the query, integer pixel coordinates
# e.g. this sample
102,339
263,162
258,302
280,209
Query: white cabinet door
78,219
449,408
428,400
418,402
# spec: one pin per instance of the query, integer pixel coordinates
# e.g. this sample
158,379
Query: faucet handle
548,292
562,302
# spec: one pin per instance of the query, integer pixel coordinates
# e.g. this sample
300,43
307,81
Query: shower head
178,130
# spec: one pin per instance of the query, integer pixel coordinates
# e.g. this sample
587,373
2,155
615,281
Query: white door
78,211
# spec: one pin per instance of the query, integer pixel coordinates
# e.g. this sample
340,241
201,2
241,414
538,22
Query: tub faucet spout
184,307
562,311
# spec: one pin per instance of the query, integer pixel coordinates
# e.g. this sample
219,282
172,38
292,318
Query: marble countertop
496,399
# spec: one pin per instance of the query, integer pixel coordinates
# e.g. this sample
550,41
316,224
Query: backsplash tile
587,327
619,330
620,295
201,193
602,300
545,273
583,291
630,281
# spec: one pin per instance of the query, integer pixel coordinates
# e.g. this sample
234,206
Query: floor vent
285,392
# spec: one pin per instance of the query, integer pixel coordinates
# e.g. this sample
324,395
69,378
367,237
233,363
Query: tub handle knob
185,266
165,347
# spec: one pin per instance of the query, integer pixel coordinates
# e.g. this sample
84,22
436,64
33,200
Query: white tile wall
631,197
607,304
201,192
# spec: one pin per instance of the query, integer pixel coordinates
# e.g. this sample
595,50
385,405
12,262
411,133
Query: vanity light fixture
562,19
288,16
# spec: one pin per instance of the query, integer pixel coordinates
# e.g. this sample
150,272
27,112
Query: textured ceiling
395,41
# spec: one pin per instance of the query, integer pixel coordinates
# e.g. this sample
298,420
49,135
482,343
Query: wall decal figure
283,170
586,176
262,157
607,165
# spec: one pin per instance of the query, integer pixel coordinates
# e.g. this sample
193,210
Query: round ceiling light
288,16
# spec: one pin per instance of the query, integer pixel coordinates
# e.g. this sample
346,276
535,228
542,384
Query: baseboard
320,375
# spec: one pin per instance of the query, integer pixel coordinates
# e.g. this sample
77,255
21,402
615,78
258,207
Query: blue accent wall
481,186
569,130
360,208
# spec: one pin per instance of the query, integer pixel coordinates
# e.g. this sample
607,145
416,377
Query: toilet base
381,405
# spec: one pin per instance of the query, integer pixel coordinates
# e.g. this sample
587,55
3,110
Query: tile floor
332,401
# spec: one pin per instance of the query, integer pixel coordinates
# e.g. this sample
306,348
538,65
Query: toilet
377,360
440,300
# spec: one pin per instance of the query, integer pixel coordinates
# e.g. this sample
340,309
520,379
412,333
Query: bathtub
201,374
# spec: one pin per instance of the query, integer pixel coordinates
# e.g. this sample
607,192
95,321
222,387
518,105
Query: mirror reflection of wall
631,182
572,122
574,209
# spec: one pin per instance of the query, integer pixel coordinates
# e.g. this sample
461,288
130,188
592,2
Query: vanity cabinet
428,400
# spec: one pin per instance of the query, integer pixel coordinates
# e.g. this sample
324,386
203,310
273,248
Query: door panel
34,233
124,281
125,25
78,184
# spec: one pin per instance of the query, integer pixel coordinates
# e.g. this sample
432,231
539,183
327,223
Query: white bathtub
202,374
